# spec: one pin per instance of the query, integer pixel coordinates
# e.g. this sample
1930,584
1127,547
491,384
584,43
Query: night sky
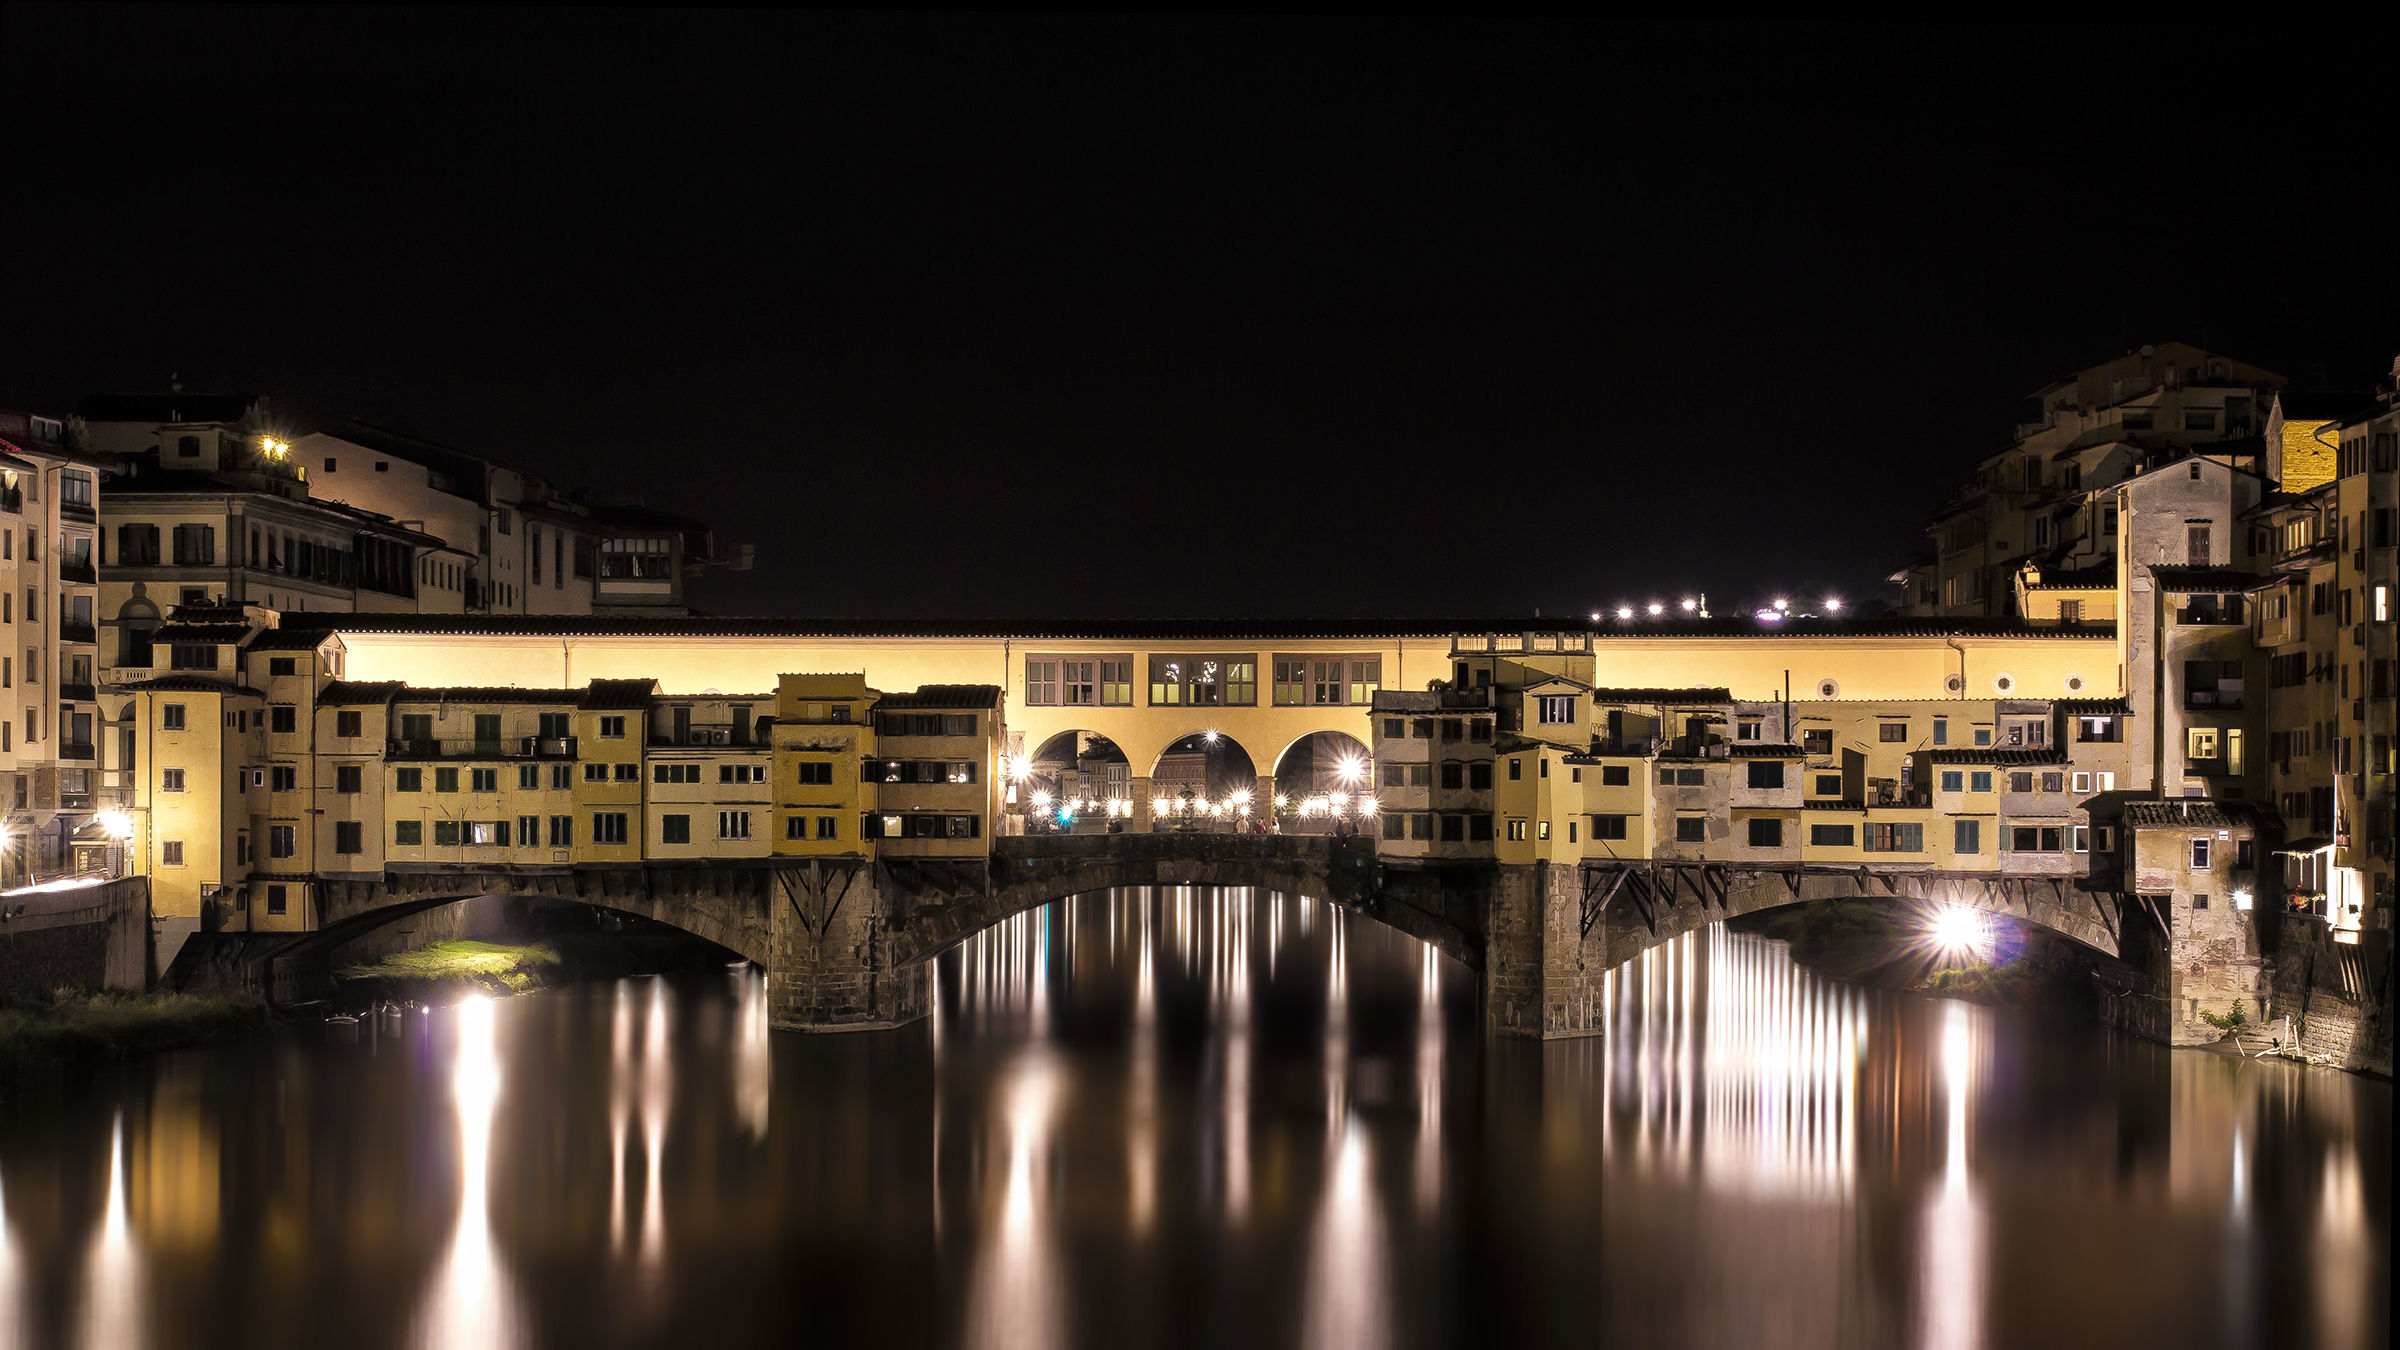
1082,317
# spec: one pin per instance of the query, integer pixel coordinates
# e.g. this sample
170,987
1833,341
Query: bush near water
86,1026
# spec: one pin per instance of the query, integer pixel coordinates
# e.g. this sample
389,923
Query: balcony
73,509
76,750
82,572
77,632
73,692
471,747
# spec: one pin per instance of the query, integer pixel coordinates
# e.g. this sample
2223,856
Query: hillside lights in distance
1833,604
272,448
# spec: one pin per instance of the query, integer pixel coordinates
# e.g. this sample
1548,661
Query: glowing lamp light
1833,604
1159,805
1366,806
1656,609
1282,802
1770,616
2241,898
1689,604
1042,800
1020,768
1624,611
1209,736
1241,796
1065,816
1957,929
117,823
1595,616
1350,770
1781,603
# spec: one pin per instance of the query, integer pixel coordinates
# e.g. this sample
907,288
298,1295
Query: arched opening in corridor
1075,782
1205,779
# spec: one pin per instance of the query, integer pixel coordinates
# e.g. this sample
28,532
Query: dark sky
1094,317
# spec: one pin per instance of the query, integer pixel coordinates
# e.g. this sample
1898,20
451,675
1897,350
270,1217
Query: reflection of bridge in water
845,941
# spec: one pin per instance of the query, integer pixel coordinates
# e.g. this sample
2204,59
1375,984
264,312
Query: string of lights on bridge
1774,611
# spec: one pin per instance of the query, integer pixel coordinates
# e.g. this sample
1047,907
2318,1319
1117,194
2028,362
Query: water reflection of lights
1348,1301
112,1299
620,1107
657,1093
1233,924
1429,1086
754,1060
1141,1107
1017,1298
1950,1282
1721,1048
470,1303
12,1310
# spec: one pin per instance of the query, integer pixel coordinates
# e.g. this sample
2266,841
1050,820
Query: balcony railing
471,747
74,692
704,733
83,572
77,632
76,750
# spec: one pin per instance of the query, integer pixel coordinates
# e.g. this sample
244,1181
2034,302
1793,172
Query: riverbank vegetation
428,974
88,1026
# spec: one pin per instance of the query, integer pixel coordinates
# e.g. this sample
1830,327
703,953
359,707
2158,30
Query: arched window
136,621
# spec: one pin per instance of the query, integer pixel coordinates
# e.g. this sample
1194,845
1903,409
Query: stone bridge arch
1628,909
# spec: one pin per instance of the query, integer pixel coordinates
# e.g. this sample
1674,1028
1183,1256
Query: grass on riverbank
462,964
113,1026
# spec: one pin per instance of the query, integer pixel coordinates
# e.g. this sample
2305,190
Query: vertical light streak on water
12,1307
1950,1281
1337,1027
1429,1087
754,1062
1041,973
1141,1108
2344,1264
1237,1060
112,1295
1017,1300
657,1096
1348,1296
620,1108
469,1305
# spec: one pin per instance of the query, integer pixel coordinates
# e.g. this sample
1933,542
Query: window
612,728
1766,832
608,827
1691,829
170,780
529,778
348,724
285,778
2020,782
2052,782
283,841
1941,731
1954,780
445,780
562,777
275,899
1966,836
349,836
408,780
562,831
1749,729
2200,742
674,773
1690,777
1203,681
1889,732
170,853
815,772
1516,770
1895,837
1479,777
1616,775
1983,735
483,780
1833,836
1479,828
828,827
1395,826
1454,829
2079,838
1041,682
1454,775
1817,742
757,773
676,829
628,772
733,824
180,656
1555,709
1608,827
2200,854
2083,783
595,773
1829,785
1980,781
445,834
529,831
170,716
1516,831
1766,773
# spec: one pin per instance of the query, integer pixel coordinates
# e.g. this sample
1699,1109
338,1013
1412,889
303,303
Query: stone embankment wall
88,937
2338,995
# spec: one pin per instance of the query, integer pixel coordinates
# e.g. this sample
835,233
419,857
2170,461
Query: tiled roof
2094,707
1754,750
485,694
1834,804
943,696
1662,696
2195,813
359,691
1993,754
2081,579
619,695
288,640
1193,629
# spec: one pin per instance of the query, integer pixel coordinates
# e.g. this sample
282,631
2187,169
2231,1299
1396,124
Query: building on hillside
2047,499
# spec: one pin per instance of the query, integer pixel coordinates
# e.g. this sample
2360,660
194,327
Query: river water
1194,1117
